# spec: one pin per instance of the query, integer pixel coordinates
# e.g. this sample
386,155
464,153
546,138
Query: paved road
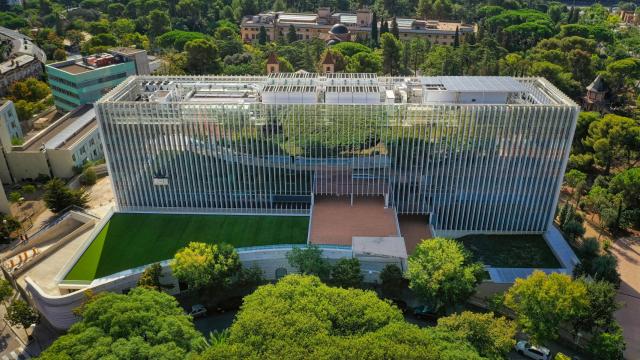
10,347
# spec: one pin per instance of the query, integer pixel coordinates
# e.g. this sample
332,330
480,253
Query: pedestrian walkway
18,354
627,251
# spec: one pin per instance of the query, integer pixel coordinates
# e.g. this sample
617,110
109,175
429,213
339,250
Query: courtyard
130,240
511,251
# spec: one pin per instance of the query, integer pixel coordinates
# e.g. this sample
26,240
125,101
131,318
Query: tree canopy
300,318
441,272
144,324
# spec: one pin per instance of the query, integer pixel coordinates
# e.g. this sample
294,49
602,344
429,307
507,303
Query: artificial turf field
132,240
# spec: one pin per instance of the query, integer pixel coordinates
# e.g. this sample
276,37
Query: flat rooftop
15,63
65,131
76,68
131,240
309,88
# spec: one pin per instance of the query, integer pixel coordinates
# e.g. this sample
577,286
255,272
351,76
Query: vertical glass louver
472,167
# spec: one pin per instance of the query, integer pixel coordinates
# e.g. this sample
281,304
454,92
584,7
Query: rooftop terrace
63,132
308,88
131,240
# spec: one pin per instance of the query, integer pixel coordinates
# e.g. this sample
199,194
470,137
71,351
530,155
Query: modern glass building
483,154
83,81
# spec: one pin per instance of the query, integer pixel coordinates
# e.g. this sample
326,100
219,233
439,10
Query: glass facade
473,167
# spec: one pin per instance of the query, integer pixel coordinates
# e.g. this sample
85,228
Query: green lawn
132,240
511,251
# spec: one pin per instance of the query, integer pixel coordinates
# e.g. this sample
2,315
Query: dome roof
339,29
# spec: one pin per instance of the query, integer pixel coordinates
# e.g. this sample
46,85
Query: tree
608,345
442,273
492,336
300,317
391,53
384,27
159,23
202,265
456,38
393,281
57,196
6,290
151,276
292,35
627,183
614,139
144,324
309,261
573,229
542,302
395,31
20,313
364,62
573,178
605,267
346,273
374,31
202,57
29,89
262,36
417,48
88,176
602,304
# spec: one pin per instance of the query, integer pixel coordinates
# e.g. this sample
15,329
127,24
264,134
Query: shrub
88,177
392,280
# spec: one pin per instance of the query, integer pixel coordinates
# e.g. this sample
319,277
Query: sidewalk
627,250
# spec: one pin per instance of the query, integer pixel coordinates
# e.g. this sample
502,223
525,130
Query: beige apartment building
54,151
338,26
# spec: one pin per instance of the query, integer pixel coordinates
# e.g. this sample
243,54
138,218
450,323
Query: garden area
132,240
511,251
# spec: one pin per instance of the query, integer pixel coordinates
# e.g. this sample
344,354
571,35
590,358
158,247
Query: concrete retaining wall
58,309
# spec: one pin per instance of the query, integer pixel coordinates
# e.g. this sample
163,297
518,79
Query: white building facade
476,154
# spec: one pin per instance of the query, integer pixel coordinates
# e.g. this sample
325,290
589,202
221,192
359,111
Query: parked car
533,352
198,310
425,313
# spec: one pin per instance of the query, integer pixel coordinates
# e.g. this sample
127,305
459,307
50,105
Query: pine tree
395,31
456,38
374,31
564,211
262,36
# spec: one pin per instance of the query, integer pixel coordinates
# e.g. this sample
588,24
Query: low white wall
58,309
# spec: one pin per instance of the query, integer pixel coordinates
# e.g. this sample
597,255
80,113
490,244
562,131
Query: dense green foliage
441,272
543,302
57,196
309,261
202,265
20,313
492,336
301,318
144,324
